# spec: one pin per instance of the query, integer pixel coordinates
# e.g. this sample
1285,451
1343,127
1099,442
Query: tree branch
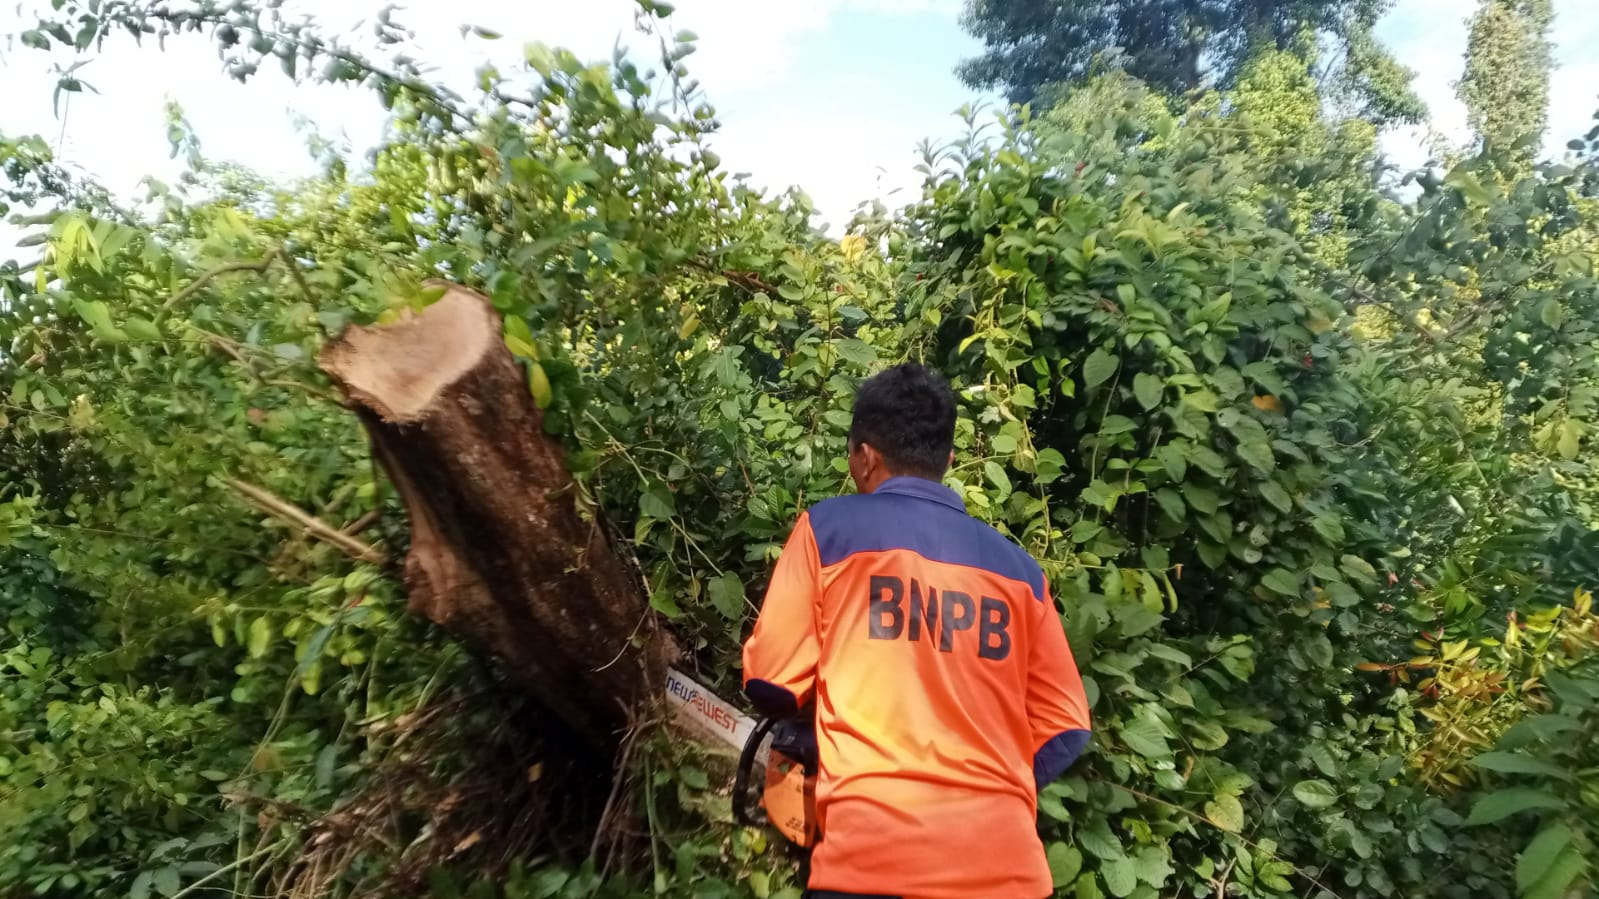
311,525
228,268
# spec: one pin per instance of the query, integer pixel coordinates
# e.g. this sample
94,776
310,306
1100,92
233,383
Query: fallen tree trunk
499,554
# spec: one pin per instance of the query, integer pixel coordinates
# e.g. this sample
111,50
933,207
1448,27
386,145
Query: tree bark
500,555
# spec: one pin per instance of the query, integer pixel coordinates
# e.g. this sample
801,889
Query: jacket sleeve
1057,707
781,654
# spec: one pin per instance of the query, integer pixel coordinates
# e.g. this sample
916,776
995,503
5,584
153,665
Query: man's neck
889,476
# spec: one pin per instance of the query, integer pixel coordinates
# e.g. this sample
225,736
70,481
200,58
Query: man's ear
870,457
872,463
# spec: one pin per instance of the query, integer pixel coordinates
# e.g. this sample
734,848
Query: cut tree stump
500,556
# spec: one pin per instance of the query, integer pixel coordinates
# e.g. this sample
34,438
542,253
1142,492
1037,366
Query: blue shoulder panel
935,530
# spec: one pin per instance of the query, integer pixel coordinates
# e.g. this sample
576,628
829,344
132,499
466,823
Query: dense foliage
1308,459
1506,83
1033,49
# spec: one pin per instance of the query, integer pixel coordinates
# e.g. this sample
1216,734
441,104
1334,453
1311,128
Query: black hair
907,413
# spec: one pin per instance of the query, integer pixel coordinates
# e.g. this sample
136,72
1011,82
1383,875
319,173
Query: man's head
904,425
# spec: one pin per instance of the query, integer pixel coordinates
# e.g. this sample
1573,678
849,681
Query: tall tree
1178,45
1506,83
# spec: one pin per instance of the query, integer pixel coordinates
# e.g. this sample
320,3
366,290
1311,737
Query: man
945,692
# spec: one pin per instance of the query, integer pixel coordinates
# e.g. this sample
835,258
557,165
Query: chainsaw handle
746,763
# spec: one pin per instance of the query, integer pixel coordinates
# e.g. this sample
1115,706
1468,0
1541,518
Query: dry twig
311,525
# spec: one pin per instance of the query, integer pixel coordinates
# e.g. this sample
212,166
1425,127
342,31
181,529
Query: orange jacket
946,694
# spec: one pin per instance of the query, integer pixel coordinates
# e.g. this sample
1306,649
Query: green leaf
1098,840
1172,459
1324,760
1358,568
1329,528
1273,493
1086,529
1206,735
727,595
1226,812
1145,736
1538,727
98,317
1469,187
1228,381
141,886
1281,581
1552,314
1148,389
540,58
1170,653
314,647
260,636
1201,400
1064,863
1050,465
1275,879
166,881
1098,493
1212,554
657,503
1113,425
1099,367
662,601
1540,855
1171,503
549,882
1518,763
1209,461
1052,807
1202,499
1501,804
1570,443
141,328
1557,879
1258,456
1154,866
326,762
853,349
1135,619
997,476
1121,876
694,778
538,383
1315,794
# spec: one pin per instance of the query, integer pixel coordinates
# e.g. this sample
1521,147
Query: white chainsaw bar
698,706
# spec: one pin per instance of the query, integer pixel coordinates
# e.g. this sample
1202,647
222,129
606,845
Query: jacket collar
921,488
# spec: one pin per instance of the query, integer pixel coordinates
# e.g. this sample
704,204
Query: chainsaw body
788,795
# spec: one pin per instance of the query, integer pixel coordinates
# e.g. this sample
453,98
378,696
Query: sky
831,95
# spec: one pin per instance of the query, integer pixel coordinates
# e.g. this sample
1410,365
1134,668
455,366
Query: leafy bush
1267,426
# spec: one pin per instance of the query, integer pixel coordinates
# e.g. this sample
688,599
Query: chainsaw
783,749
